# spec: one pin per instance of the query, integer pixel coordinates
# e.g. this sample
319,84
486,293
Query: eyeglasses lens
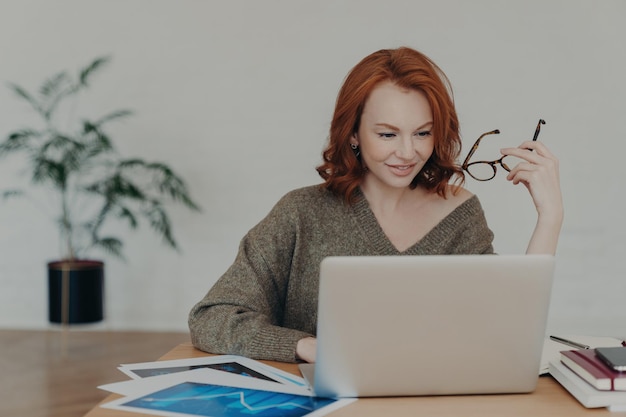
481,171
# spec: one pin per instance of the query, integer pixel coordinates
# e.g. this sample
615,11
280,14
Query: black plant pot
75,291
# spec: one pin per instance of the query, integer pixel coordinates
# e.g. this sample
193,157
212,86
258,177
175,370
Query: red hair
342,170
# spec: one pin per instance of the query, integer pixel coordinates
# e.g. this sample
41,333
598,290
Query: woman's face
394,136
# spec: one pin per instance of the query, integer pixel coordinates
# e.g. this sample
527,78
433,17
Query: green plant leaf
21,92
54,85
48,170
126,213
86,72
55,90
60,142
110,245
18,140
7,194
123,187
98,141
130,163
172,185
160,222
118,114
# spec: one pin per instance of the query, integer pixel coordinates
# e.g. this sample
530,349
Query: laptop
430,325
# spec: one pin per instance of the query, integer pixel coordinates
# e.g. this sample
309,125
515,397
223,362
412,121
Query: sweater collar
380,243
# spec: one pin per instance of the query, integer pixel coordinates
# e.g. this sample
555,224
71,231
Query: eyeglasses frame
493,164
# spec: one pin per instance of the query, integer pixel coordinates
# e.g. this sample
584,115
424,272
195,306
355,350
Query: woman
391,187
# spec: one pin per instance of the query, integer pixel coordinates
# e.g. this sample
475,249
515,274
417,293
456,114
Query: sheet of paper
217,394
135,387
552,349
228,363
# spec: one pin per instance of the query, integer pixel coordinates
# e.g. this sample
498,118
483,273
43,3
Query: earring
355,149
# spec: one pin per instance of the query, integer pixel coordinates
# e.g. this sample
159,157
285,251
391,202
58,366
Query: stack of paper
586,394
580,384
220,386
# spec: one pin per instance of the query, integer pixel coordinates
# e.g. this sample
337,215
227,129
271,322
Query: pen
569,342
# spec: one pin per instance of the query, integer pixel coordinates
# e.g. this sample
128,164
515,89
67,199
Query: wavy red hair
342,170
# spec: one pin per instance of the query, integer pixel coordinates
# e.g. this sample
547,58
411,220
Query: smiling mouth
401,170
402,167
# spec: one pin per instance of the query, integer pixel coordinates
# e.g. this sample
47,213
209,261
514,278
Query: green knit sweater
267,300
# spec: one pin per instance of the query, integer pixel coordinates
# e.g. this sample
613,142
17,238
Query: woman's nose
405,150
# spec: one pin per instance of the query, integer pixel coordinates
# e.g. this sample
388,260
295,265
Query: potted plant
92,186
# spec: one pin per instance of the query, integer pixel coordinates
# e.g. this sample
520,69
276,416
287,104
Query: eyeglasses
486,170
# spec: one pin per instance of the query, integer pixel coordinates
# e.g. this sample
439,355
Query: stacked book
590,380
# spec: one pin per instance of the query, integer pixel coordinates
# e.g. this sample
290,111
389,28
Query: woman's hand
306,349
539,172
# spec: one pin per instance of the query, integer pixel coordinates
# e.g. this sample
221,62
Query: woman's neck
387,199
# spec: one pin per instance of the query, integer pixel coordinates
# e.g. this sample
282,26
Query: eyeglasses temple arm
471,152
541,122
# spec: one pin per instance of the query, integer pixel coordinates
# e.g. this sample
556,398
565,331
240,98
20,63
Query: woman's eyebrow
392,127
386,125
427,124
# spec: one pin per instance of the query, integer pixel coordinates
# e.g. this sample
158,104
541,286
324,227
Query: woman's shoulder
457,201
308,194
309,199
305,205
457,196
463,203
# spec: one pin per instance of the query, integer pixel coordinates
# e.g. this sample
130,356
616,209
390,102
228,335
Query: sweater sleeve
242,313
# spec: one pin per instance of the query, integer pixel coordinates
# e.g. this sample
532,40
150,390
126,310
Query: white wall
237,96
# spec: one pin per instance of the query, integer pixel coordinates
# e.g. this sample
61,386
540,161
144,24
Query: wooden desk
549,399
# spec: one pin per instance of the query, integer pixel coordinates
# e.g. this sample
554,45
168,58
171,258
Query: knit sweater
267,300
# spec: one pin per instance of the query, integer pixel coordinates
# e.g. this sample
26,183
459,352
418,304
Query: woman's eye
423,133
387,135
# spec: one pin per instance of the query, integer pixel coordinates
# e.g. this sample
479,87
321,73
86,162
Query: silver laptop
430,325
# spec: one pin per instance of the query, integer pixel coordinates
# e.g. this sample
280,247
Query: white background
237,97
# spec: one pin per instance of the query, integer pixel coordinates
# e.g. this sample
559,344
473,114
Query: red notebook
589,367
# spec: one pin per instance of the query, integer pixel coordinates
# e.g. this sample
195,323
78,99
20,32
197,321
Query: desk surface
549,399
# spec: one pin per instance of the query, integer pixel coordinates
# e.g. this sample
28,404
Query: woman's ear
354,139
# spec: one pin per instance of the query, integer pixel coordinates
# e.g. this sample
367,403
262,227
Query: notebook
430,325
